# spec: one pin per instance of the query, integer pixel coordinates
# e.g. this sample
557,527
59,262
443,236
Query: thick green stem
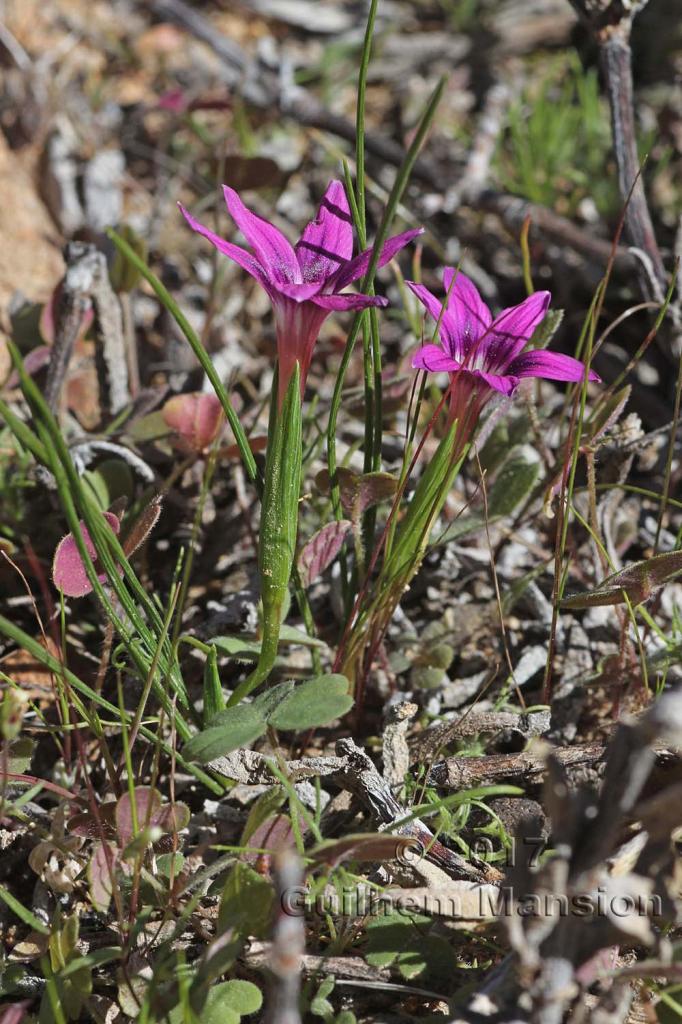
408,550
279,525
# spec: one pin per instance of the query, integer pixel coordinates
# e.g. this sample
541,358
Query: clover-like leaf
228,730
512,484
315,702
637,581
321,550
196,420
68,571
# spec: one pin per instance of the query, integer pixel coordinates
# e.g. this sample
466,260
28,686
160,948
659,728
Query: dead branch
426,744
466,772
610,23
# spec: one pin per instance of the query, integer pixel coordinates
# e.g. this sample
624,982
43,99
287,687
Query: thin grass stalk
399,186
670,454
43,657
141,659
169,303
109,551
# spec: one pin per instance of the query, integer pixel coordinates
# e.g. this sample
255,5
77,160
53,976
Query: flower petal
327,242
352,301
358,267
434,307
435,359
274,252
506,384
467,315
512,329
551,366
245,259
297,292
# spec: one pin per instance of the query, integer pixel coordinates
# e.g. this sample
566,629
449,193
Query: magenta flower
303,281
485,354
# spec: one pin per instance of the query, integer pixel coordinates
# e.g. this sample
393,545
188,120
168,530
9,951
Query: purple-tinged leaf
321,550
50,314
375,488
68,571
35,360
89,826
368,846
143,525
14,1013
196,418
102,876
147,806
607,415
638,581
359,491
172,818
271,835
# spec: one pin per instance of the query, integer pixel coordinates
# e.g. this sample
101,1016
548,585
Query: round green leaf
230,729
239,997
316,702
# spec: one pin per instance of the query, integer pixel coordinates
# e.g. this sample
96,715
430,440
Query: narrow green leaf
279,524
214,700
425,505
22,913
169,303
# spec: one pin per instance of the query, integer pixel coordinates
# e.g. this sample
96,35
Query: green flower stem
396,194
405,557
279,524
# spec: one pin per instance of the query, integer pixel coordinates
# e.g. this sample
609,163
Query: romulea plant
305,284
483,355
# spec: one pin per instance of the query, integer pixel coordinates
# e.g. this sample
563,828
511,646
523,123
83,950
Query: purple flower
303,281
485,354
